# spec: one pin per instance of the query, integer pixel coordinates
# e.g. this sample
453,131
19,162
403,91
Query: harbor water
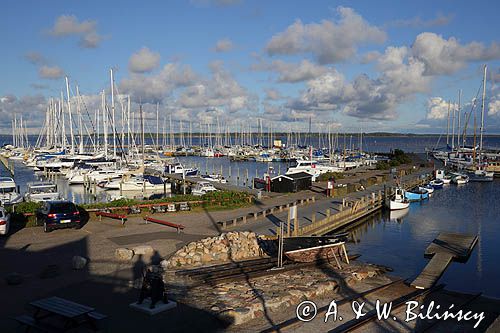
398,239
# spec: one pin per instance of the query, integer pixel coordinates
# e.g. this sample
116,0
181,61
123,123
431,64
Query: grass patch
326,176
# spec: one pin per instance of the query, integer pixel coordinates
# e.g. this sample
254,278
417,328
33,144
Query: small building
291,183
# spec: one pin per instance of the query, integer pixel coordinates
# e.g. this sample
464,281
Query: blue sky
376,65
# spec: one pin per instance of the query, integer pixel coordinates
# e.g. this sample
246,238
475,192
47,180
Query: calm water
399,242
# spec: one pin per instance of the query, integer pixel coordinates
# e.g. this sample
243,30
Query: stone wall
230,246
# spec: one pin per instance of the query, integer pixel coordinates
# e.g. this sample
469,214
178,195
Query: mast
113,110
142,132
459,111
482,115
70,119
80,126
157,125
448,128
453,128
104,123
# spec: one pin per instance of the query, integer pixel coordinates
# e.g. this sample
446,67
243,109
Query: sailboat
480,174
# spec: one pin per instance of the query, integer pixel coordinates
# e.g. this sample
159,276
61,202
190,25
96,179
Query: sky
394,66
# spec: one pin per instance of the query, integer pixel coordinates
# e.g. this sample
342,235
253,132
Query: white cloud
32,108
69,25
223,45
437,108
328,41
154,88
35,58
220,90
494,107
144,61
50,72
446,56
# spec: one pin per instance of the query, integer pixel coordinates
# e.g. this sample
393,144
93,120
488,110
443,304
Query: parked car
58,214
4,222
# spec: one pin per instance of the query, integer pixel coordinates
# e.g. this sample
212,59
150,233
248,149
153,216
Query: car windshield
62,208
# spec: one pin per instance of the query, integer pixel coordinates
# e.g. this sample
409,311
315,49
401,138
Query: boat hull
316,253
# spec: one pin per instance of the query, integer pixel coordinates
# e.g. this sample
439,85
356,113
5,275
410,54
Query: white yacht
8,192
202,188
313,168
138,183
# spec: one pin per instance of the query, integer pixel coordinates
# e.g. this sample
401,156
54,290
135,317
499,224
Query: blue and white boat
417,194
427,187
437,183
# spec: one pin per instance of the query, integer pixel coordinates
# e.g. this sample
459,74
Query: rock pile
231,246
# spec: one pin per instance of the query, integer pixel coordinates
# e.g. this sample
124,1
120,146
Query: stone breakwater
230,246
241,301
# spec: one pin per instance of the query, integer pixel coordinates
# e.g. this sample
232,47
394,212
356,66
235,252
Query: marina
245,166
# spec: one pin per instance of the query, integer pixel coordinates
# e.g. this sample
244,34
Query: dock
447,247
8,166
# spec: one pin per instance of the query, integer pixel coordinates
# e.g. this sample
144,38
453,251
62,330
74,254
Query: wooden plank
62,307
433,271
459,246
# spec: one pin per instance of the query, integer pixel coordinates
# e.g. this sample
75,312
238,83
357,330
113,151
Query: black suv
58,214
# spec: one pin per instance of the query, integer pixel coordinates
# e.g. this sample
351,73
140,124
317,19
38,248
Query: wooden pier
351,210
447,247
8,166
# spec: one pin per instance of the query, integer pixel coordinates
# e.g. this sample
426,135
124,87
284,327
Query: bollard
313,218
328,212
244,220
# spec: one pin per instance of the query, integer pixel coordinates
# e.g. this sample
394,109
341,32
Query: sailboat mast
482,114
448,128
113,110
70,118
157,125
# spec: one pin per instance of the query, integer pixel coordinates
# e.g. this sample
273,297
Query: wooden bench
179,227
121,217
29,322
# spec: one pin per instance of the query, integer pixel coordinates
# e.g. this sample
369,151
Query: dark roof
299,175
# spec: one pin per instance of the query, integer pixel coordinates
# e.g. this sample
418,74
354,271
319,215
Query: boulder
78,262
143,249
124,254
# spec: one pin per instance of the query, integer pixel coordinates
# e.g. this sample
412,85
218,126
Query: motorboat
214,178
417,194
138,183
481,176
42,191
440,174
460,179
398,200
312,167
437,183
202,188
428,187
178,168
9,193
